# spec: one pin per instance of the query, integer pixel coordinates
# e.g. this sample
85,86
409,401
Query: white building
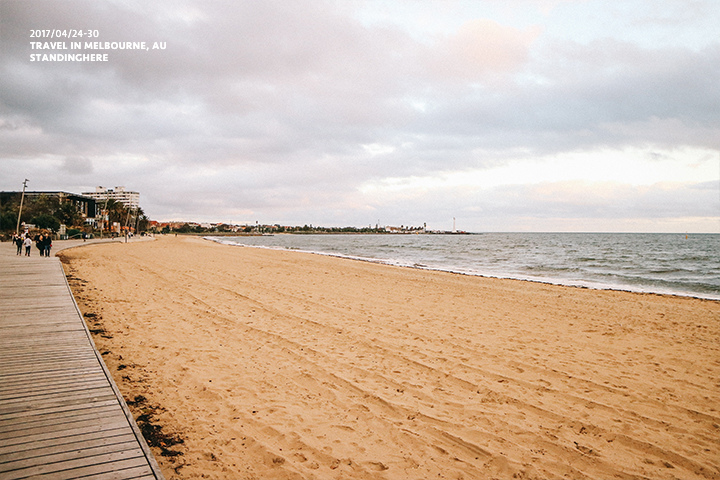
119,194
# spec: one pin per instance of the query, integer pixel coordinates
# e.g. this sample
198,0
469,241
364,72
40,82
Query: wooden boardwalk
61,414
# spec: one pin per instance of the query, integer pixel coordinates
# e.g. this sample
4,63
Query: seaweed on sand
152,432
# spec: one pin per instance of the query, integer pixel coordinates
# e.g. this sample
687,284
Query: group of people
43,242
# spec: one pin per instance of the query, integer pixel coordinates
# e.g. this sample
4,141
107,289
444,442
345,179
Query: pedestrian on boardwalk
28,245
48,245
40,244
18,241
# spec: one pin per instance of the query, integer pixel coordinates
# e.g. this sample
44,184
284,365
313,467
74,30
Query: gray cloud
77,166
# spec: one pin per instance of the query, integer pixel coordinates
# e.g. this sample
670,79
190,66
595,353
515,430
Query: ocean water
657,263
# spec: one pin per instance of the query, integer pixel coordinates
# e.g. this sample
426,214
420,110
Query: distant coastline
321,232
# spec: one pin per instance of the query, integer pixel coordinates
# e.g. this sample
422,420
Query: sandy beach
284,365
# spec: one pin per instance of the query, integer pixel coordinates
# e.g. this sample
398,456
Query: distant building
119,194
84,204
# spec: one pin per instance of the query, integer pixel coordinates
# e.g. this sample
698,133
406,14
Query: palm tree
114,212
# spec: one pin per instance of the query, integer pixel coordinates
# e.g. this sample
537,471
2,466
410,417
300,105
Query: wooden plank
41,363
46,363
23,358
138,473
10,417
64,345
9,451
83,466
54,402
81,388
42,452
25,393
64,330
67,428
48,376
53,367
25,423
59,434
67,339
72,398
15,312
36,384
43,328
79,452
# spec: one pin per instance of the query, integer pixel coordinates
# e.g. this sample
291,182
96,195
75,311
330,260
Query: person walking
28,245
18,241
48,245
40,244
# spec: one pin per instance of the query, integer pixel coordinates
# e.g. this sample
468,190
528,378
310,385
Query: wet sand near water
284,365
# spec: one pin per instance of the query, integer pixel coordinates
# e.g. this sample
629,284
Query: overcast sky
526,115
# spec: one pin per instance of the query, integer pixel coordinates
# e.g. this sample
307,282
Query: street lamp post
22,199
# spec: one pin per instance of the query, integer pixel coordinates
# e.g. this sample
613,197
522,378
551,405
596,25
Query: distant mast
454,230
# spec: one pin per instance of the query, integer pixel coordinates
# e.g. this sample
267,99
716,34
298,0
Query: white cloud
481,47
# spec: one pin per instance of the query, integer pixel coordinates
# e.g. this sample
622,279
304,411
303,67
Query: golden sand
286,365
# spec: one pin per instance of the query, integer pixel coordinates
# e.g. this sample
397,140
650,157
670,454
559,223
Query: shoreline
282,364
589,285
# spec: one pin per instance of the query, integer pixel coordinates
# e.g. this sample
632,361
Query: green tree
46,221
116,211
68,214
142,221
9,205
35,206
8,220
